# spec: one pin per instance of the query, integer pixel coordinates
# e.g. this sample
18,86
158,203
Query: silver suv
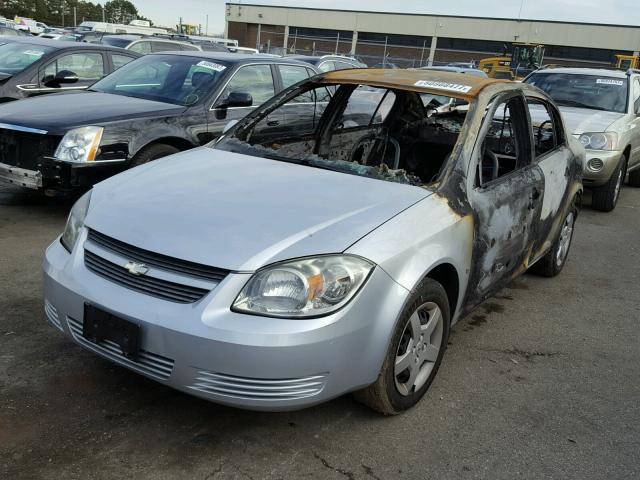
601,108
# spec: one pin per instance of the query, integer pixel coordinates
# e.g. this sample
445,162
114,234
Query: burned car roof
455,85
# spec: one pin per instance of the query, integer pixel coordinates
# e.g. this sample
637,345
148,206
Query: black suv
155,106
34,66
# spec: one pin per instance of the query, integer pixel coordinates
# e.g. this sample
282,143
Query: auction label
213,66
451,87
610,81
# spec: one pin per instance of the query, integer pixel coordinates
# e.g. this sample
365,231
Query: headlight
80,145
599,141
308,287
75,221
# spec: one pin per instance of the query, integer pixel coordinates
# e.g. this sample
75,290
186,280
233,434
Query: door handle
273,123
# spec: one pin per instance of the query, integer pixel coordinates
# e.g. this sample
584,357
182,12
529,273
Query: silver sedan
325,244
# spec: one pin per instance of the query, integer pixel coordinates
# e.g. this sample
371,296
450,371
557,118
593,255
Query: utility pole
75,21
62,12
103,15
206,28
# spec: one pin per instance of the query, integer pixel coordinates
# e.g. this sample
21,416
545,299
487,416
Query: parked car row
325,235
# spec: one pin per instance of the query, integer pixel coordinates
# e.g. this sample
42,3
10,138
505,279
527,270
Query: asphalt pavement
542,381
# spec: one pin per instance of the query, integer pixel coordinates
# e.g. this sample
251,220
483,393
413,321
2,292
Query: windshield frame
627,93
231,142
149,59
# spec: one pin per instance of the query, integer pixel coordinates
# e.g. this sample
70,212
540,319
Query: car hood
240,212
57,113
583,120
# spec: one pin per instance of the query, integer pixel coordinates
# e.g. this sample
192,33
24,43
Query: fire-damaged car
328,252
154,106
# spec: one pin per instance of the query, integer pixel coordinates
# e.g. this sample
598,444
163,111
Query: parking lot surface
540,382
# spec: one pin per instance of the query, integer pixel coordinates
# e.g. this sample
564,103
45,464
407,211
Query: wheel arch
447,275
176,142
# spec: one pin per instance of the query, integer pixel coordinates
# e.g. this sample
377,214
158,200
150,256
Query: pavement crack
529,354
341,471
369,471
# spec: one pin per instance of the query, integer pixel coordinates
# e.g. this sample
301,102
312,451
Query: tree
120,11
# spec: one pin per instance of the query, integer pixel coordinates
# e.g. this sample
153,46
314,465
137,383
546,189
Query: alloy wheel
418,349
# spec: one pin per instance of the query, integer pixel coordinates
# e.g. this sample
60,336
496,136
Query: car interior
361,126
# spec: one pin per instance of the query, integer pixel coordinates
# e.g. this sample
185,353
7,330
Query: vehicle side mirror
234,99
63,76
239,99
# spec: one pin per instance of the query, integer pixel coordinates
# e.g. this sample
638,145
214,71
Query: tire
606,197
554,260
152,152
428,311
634,178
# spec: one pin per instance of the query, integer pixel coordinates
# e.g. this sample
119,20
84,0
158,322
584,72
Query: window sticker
451,87
34,53
610,81
213,66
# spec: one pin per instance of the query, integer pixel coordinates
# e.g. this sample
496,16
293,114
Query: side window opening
545,138
506,146
636,102
388,134
256,80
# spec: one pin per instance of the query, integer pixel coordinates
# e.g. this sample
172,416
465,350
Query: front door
506,197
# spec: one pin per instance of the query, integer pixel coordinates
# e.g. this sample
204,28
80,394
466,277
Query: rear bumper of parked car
52,175
207,350
608,160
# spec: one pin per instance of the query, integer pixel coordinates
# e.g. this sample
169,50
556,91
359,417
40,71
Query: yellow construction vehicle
188,29
625,62
524,58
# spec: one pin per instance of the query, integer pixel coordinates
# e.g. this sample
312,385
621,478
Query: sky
626,12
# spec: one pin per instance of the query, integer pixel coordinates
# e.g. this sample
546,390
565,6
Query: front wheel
606,197
415,352
152,152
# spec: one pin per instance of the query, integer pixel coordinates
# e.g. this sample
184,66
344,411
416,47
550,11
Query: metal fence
372,53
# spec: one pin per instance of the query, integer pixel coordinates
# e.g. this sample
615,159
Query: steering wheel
374,138
495,165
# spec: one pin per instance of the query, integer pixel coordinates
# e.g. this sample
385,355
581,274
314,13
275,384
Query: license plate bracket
99,326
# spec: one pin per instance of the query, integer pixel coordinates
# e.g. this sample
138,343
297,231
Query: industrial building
418,39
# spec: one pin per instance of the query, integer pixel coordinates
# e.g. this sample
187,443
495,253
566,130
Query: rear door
554,157
505,195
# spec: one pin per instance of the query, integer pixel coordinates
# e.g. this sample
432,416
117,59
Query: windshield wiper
574,103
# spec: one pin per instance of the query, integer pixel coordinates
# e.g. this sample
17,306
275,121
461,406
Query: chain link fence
373,53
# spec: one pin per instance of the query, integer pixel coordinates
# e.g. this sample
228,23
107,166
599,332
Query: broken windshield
385,134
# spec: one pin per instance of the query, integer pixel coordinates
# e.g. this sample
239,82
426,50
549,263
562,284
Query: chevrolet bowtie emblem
137,269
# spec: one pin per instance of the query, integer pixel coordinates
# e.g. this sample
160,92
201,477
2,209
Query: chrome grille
155,287
152,259
259,388
52,314
149,363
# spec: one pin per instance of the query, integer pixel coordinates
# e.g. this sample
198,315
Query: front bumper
610,160
57,176
246,361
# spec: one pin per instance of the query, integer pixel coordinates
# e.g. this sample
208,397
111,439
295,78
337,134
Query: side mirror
235,99
63,76
239,99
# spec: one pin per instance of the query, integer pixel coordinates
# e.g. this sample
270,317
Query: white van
136,27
